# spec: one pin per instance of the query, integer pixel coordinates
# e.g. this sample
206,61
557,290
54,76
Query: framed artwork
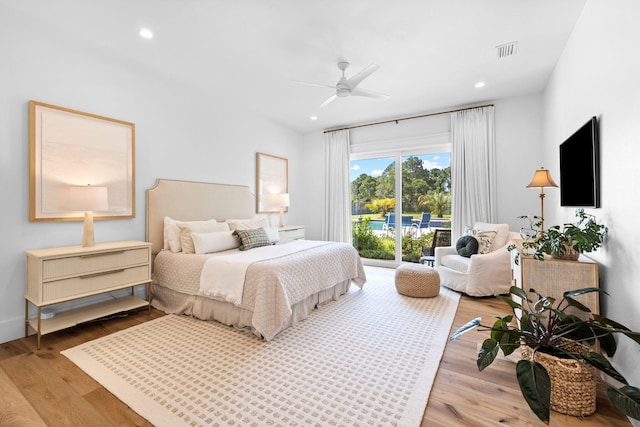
69,148
272,178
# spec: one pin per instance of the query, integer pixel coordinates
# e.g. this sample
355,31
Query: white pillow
247,224
186,241
172,232
272,234
502,233
485,239
206,243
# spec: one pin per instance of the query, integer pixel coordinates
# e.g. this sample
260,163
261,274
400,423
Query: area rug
367,359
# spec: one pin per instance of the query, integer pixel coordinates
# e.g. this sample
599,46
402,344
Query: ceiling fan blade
313,84
355,80
370,94
328,101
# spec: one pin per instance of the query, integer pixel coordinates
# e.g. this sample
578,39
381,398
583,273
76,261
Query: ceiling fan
349,86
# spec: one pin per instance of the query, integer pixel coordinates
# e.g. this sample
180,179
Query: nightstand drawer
291,232
91,283
92,262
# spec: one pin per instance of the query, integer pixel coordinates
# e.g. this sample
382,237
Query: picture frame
272,177
69,148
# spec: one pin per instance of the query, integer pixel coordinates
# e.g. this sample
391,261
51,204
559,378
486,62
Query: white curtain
473,168
336,224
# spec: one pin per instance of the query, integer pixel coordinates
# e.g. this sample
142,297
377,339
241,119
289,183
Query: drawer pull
101,254
102,273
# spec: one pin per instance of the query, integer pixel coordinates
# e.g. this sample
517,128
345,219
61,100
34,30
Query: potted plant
547,328
567,241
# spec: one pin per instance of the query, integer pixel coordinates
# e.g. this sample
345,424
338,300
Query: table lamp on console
89,199
281,200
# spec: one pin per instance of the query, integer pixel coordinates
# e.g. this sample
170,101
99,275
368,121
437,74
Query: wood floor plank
114,409
52,398
15,410
13,348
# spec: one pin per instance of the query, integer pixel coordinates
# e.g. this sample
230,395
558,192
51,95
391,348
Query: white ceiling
431,52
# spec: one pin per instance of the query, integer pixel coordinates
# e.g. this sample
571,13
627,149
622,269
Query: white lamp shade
284,200
278,200
88,198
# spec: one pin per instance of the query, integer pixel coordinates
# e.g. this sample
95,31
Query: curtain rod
407,118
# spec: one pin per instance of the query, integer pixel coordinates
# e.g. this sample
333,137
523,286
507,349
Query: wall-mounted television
579,167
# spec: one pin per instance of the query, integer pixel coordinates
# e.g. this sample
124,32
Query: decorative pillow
467,246
247,224
206,243
502,233
485,240
250,239
273,234
172,232
186,241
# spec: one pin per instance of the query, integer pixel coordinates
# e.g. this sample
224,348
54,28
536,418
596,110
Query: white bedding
273,286
224,276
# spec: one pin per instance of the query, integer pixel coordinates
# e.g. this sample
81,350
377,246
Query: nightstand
291,232
58,275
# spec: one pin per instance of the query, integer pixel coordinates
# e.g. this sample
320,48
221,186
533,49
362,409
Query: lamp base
281,218
88,236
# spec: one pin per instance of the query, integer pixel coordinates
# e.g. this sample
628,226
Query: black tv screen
579,168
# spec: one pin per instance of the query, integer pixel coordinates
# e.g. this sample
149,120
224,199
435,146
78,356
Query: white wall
181,133
598,76
518,142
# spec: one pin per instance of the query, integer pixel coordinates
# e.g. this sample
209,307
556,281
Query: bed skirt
174,302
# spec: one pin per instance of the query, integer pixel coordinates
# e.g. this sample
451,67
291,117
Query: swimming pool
376,224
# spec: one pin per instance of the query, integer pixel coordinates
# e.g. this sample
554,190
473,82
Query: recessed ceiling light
145,33
480,84
314,117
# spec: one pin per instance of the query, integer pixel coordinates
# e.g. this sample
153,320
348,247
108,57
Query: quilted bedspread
271,286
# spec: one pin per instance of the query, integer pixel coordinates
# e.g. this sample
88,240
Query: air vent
507,49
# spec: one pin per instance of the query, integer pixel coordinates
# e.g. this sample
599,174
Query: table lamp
282,201
542,178
88,199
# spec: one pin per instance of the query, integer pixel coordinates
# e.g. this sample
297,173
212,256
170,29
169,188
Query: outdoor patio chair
422,223
391,222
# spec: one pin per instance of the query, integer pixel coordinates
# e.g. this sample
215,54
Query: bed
283,282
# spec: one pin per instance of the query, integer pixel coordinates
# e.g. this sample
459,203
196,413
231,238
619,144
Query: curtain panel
336,224
473,166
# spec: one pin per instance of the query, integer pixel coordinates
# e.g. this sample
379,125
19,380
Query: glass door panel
426,199
372,207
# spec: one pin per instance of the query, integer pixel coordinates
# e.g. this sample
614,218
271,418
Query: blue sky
375,167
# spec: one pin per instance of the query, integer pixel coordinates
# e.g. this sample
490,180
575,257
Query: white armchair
481,274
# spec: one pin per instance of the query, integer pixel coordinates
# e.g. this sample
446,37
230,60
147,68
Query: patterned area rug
366,359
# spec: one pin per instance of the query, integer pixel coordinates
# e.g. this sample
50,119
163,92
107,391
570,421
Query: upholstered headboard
192,201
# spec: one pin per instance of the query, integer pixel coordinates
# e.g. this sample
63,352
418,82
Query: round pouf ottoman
417,280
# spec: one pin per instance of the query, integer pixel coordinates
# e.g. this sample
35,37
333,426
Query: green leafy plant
364,239
546,327
583,236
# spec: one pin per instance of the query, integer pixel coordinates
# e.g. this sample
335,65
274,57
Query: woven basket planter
573,382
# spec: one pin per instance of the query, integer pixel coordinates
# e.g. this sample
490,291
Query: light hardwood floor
45,388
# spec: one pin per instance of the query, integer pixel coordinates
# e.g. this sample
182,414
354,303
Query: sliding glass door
419,190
